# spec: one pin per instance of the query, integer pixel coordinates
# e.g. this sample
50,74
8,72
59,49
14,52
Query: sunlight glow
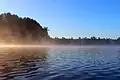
35,46
27,46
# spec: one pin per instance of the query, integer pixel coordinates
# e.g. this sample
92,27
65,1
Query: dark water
61,63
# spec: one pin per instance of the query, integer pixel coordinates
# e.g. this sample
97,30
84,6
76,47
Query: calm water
61,63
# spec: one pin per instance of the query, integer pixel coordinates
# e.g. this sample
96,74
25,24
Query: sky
70,18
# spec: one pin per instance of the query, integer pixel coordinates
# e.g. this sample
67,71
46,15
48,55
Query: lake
60,63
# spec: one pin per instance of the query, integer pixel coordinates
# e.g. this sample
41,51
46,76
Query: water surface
60,63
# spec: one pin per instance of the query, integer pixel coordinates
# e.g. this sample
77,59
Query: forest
14,29
86,41
24,30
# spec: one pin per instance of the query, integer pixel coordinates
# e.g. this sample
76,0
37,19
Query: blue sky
70,18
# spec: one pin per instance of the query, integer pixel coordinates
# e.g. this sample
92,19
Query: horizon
71,18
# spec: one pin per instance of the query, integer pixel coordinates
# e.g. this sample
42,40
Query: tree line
24,30
86,41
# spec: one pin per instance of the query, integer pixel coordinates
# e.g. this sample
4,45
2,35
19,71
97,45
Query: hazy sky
70,18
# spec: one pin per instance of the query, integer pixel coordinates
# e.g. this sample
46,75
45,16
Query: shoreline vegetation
18,30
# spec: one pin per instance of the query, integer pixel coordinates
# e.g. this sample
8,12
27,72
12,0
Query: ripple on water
90,63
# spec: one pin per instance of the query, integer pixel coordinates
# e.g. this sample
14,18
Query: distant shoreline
24,30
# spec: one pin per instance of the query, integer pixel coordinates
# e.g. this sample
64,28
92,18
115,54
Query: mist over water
60,63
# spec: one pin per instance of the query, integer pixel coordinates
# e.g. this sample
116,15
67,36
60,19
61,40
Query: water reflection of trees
19,62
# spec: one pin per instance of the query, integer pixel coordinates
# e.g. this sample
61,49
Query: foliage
14,28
